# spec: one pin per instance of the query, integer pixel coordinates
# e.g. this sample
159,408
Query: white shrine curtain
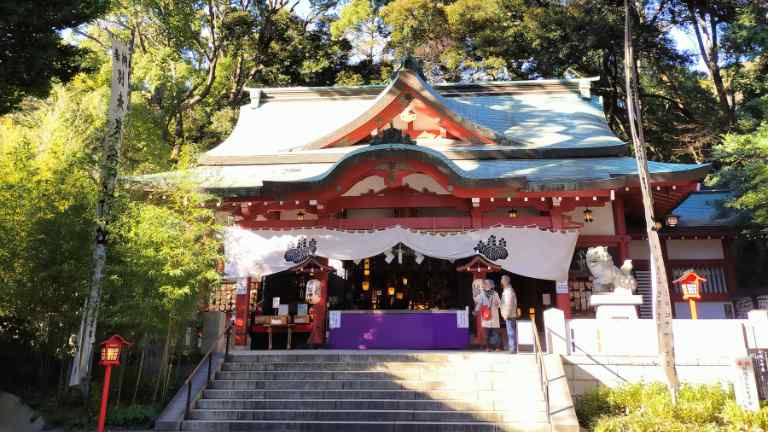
529,252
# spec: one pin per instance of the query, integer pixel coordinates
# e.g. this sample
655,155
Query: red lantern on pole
110,356
690,283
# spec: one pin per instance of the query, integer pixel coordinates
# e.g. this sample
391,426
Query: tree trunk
121,377
163,363
139,373
167,382
710,55
62,386
237,87
178,136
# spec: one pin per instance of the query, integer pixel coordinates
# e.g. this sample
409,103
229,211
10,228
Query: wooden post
104,399
562,299
662,300
242,301
111,143
730,266
479,330
694,312
477,217
620,224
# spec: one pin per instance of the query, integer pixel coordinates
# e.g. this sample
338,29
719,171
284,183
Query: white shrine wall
704,249
424,183
366,185
600,352
602,220
418,182
701,249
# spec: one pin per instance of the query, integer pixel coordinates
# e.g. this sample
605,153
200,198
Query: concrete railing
693,338
615,352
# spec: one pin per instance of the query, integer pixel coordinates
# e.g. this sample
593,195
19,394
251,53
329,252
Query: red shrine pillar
242,302
620,226
320,310
562,296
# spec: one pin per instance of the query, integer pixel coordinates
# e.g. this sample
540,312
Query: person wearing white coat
509,312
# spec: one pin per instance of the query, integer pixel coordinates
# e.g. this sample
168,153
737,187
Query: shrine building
396,197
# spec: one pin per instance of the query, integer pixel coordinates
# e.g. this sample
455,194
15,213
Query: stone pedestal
616,306
556,331
758,329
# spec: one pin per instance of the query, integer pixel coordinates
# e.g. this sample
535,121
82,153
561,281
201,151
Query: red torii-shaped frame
479,267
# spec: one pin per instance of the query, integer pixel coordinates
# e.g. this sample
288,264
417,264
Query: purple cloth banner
407,330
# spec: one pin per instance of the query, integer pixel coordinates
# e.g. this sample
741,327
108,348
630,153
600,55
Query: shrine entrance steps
372,391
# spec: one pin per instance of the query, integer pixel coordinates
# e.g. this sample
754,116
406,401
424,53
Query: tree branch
191,100
86,35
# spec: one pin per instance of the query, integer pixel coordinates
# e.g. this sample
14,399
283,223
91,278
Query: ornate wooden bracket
312,266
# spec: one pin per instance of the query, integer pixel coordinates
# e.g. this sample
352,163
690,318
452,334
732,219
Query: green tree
745,44
359,23
745,171
32,53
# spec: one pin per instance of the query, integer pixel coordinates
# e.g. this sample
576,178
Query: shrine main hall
394,198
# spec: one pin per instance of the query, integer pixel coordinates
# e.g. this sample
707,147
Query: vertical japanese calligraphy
112,140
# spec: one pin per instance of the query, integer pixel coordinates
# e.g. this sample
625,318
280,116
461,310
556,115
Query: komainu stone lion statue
607,278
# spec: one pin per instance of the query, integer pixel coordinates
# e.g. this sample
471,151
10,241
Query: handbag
485,313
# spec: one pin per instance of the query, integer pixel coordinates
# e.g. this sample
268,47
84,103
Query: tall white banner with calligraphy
118,107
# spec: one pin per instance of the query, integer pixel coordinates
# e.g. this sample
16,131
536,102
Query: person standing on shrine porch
509,312
316,312
488,304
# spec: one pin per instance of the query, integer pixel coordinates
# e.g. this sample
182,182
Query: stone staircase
372,391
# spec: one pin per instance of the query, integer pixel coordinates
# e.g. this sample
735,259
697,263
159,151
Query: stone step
363,356
351,384
367,426
499,366
532,394
360,415
417,375
508,404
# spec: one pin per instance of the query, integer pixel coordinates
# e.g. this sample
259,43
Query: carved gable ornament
392,135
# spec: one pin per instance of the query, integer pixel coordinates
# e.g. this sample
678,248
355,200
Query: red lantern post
110,356
690,282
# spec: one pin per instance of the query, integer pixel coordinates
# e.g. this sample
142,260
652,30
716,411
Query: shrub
133,415
649,408
594,405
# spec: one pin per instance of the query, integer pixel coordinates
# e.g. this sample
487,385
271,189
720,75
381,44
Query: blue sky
685,41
